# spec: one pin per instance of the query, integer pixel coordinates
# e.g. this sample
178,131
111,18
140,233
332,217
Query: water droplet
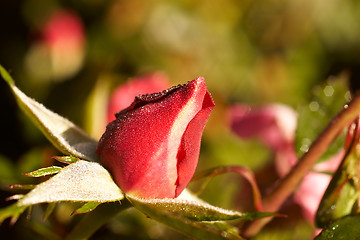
330,235
305,144
347,96
329,91
314,106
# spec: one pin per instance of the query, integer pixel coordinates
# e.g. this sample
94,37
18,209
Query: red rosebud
152,147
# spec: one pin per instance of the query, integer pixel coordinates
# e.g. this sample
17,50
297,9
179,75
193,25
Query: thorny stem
287,185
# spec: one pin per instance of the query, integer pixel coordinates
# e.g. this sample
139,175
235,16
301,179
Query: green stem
92,221
287,185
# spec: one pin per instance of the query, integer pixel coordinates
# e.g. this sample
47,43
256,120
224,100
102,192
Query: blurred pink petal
60,50
285,159
313,187
331,164
310,192
64,29
274,125
125,94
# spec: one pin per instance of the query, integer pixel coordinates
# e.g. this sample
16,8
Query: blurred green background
254,52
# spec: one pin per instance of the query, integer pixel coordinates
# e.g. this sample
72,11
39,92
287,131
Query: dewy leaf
80,181
44,171
87,207
324,105
345,228
62,133
197,211
341,196
193,229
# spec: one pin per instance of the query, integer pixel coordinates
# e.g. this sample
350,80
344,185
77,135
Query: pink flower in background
61,48
64,31
275,126
152,147
314,185
124,95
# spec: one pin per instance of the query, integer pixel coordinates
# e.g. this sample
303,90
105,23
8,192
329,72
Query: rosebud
152,147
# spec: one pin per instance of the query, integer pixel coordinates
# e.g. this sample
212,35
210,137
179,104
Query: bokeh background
66,53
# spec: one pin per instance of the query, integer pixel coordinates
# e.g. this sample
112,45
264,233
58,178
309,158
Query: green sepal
87,207
44,171
177,221
197,211
62,133
93,220
81,181
49,209
13,211
66,159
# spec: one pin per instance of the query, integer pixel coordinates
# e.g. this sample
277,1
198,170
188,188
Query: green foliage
66,159
346,228
87,207
341,196
50,208
13,211
326,102
93,220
